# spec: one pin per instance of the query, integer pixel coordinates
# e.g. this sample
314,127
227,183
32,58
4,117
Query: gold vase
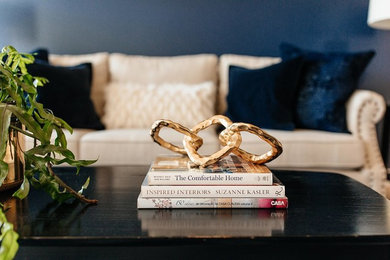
14,157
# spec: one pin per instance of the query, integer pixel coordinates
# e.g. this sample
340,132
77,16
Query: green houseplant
21,113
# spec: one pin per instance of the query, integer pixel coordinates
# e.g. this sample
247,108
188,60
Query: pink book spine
266,203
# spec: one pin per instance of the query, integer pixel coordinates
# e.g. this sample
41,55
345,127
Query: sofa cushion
264,97
327,82
189,69
73,140
135,146
249,62
67,93
302,148
131,105
100,74
310,148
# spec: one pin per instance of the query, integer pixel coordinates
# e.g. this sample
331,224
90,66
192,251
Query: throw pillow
187,69
326,83
141,104
67,93
264,97
41,54
99,61
245,61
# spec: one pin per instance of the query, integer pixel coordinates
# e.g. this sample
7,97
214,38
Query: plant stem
22,131
69,189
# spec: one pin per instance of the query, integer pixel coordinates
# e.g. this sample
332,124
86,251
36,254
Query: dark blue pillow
41,54
264,97
326,83
68,93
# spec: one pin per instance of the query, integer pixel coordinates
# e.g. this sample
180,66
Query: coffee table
330,216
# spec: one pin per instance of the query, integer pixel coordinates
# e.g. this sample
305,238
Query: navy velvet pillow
41,54
68,93
326,83
264,97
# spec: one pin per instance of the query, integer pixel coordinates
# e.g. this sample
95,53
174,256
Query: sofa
192,88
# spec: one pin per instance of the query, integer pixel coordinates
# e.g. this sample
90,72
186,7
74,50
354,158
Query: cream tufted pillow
130,105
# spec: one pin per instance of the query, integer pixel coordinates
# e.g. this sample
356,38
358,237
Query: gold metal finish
276,146
233,142
230,139
196,141
14,157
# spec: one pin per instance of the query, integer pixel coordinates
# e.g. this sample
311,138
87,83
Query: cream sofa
126,139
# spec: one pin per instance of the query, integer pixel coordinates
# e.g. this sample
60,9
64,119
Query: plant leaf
5,121
49,184
61,138
8,237
47,149
24,189
84,187
72,162
28,121
3,171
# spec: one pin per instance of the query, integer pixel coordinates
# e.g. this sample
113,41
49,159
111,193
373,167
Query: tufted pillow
245,61
100,74
139,105
264,97
326,83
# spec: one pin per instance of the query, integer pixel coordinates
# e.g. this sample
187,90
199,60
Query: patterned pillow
327,81
141,104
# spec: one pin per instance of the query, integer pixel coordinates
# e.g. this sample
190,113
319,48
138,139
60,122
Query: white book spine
148,203
264,191
199,178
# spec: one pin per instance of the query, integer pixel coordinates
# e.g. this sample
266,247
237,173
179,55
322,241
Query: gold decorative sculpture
230,139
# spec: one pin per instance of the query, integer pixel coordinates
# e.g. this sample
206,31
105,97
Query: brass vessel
14,157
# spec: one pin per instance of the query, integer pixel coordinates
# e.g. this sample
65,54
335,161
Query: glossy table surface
324,210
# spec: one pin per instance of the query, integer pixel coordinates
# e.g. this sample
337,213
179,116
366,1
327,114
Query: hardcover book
265,203
276,190
231,170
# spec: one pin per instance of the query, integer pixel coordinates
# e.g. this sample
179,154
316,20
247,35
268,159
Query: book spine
264,191
198,178
266,203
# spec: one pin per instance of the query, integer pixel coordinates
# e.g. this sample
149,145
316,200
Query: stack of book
172,182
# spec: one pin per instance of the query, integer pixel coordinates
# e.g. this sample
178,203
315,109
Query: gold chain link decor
230,139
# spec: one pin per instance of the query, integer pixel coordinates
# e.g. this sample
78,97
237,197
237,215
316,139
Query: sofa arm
365,109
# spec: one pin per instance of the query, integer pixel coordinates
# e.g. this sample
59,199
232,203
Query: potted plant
21,115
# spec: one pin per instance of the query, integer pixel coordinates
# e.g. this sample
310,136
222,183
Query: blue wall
173,27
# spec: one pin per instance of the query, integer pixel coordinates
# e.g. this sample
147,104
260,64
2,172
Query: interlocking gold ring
195,140
230,144
276,146
230,139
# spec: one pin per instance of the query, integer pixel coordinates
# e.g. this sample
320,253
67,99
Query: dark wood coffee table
330,216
